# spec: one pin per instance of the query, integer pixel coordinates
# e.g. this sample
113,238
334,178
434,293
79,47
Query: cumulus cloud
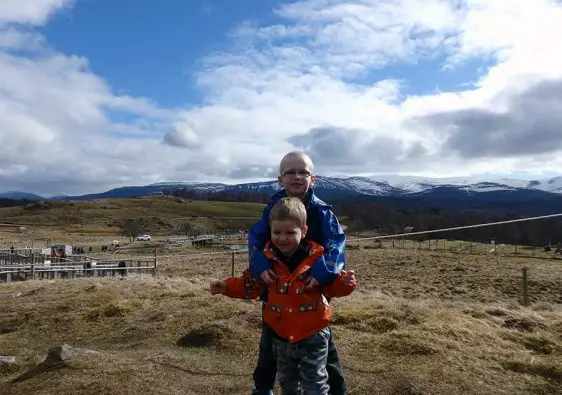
56,131
352,149
530,124
182,135
304,72
322,78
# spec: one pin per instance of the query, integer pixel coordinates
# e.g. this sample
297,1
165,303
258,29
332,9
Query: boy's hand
348,279
311,283
218,287
269,276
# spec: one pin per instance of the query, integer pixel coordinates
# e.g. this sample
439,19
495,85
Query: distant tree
131,227
190,229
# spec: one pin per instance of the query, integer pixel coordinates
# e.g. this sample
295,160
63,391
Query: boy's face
286,235
297,177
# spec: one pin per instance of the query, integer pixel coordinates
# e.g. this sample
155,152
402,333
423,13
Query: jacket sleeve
257,237
337,289
244,287
326,268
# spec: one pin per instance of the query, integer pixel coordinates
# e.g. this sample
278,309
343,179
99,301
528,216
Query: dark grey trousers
302,365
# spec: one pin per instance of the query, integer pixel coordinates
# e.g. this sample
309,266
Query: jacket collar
315,251
311,199
303,250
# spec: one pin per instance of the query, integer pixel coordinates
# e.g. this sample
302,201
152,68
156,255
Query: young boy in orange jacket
298,315
297,177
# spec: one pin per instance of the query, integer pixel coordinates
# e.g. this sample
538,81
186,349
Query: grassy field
419,323
422,321
97,213
94,222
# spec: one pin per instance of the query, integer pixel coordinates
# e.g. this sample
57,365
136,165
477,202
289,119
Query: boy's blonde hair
296,154
289,209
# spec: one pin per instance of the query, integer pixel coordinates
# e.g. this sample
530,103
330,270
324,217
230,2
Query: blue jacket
323,228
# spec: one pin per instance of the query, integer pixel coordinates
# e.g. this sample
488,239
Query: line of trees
223,196
5,202
386,219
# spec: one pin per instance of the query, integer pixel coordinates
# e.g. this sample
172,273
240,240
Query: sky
96,94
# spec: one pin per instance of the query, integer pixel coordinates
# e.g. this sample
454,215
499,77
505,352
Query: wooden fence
72,269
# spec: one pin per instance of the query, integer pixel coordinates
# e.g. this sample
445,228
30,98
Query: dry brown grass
427,324
410,274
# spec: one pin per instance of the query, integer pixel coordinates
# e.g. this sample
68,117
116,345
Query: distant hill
350,187
163,214
521,201
538,196
16,195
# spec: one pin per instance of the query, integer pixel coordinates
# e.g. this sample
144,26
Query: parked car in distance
144,238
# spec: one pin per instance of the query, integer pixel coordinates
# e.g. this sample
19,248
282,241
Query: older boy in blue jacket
297,177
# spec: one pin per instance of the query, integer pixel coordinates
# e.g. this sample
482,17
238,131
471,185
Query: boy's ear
280,181
304,230
312,181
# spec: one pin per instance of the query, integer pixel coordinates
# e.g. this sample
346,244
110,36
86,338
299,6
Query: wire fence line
424,232
399,241
406,267
411,273
235,262
402,245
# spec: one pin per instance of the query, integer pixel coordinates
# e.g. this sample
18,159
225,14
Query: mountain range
391,186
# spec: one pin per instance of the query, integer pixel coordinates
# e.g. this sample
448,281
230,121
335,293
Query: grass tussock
548,369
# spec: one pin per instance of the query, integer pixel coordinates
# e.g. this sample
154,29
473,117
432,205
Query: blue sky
151,48
97,93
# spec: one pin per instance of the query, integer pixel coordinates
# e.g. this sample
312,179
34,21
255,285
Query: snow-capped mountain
469,184
376,186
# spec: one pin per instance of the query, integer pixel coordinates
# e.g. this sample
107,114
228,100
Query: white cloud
277,87
13,38
182,135
296,72
32,12
56,132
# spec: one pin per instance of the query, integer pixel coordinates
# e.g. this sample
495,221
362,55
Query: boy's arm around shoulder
327,268
342,286
257,237
244,287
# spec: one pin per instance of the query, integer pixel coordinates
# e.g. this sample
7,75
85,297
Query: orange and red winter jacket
292,312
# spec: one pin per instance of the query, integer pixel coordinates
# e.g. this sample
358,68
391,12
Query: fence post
233,264
155,262
525,288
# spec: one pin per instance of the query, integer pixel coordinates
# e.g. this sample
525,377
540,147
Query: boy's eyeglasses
295,173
